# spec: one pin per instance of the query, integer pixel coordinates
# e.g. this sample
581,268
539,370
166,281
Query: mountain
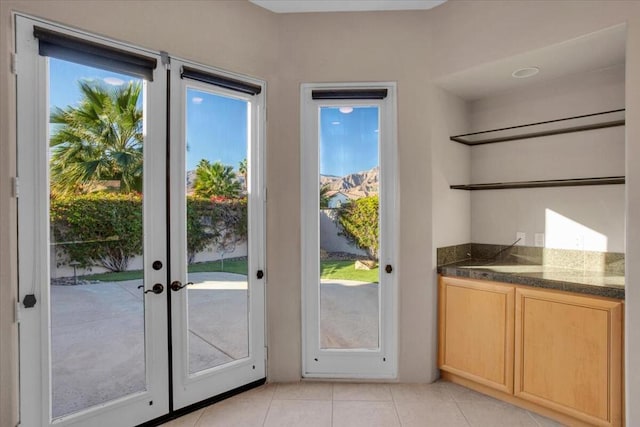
359,184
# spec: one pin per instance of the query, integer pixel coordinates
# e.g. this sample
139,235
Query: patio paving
98,332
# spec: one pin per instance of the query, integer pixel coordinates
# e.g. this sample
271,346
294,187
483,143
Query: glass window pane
217,229
349,227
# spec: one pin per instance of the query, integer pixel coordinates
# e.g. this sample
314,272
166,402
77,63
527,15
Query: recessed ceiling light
523,73
346,110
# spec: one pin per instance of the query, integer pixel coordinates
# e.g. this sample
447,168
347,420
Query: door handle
388,268
176,285
157,288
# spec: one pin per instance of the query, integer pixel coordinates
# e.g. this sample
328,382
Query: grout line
332,399
264,421
395,408
533,418
201,415
462,412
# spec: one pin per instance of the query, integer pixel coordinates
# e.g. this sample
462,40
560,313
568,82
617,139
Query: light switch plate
539,240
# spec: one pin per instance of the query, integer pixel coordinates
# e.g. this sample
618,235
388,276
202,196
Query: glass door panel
217,241
96,228
349,227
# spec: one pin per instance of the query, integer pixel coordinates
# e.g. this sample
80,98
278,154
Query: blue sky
348,142
217,125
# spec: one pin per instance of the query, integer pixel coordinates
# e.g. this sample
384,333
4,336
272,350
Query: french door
217,316
348,230
140,268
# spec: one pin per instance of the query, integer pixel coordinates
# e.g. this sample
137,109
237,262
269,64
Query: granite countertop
563,279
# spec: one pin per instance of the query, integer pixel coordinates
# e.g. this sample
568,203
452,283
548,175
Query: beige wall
286,50
450,164
357,47
632,338
496,216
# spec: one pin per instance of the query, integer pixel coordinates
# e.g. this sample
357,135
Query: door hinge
15,187
17,312
14,63
266,353
166,59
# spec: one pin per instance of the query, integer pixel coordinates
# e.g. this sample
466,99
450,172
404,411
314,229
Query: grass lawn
328,270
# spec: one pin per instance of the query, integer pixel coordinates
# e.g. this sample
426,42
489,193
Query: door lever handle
157,288
176,285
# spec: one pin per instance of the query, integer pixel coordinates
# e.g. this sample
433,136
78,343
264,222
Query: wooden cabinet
568,354
553,352
476,331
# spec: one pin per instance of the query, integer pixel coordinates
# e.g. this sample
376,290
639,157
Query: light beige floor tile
262,393
364,414
232,413
544,421
304,390
420,392
188,420
427,413
297,413
365,391
463,394
495,414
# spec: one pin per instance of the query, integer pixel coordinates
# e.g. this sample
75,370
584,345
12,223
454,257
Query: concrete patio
97,332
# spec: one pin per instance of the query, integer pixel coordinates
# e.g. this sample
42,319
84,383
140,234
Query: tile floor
310,404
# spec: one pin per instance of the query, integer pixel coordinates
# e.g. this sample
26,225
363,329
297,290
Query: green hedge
105,229
359,220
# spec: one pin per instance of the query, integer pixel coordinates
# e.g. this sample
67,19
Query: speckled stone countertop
598,283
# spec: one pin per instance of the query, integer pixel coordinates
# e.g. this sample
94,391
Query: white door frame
33,229
192,388
352,363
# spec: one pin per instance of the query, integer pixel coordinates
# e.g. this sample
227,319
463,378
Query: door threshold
202,404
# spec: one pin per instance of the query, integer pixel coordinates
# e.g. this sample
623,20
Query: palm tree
215,179
99,140
242,169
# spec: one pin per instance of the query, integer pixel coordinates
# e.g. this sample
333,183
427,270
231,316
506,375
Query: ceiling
591,52
302,6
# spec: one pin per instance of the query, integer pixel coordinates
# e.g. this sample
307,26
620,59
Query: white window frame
348,363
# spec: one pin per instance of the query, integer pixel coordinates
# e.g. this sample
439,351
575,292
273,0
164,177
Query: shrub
359,220
103,229
217,221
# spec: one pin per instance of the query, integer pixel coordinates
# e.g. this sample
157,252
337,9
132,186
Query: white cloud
113,81
197,100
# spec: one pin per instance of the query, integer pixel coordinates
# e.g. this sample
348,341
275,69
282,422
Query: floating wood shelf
585,122
610,180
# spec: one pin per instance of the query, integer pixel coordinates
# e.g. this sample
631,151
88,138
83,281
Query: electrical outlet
539,240
522,236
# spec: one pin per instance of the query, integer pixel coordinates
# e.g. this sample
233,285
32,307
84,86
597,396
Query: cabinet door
568,354
476,331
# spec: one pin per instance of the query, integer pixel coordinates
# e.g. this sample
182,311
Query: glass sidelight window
348,204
